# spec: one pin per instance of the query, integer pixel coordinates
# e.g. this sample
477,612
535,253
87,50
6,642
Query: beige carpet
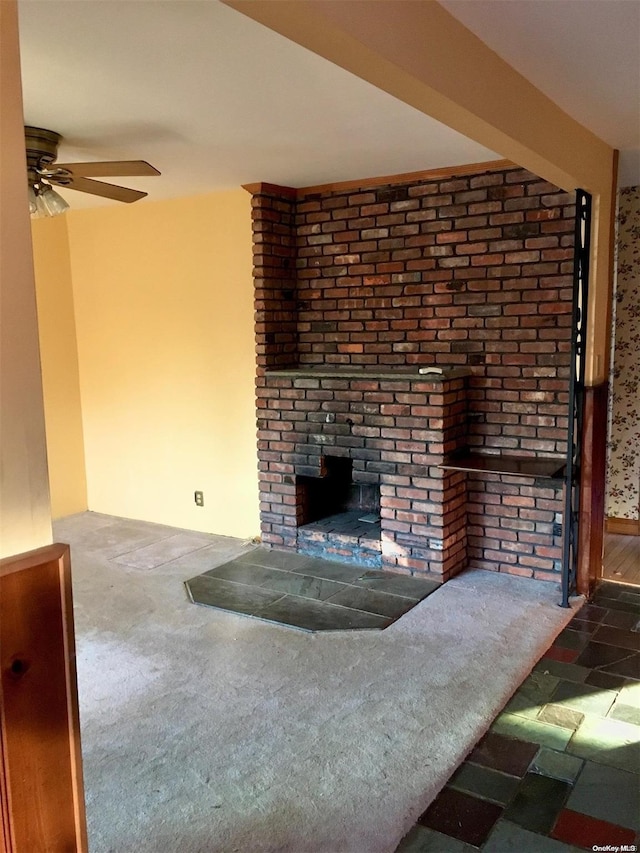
207,731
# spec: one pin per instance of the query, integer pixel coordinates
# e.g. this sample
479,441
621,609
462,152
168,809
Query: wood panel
623,526
6,844
592,488
43,802
622,558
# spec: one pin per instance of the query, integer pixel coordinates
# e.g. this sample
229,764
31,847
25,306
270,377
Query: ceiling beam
418,52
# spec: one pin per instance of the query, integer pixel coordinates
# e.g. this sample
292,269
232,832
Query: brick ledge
372,372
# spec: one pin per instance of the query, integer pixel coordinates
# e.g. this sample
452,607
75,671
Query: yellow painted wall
163,293
59,359
25,517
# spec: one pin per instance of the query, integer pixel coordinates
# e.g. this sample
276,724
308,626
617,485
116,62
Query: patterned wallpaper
623,477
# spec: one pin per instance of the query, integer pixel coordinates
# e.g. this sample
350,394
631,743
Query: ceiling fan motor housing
42,148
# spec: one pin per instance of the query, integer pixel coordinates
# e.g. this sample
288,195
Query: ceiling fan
43,172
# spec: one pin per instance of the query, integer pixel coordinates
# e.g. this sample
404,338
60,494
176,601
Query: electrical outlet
199,498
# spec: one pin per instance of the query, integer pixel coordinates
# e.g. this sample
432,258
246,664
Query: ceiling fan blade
110,168
84,185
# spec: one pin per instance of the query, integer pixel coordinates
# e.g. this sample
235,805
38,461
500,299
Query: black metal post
571,519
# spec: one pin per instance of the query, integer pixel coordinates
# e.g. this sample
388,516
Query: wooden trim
608,341
623,526
381,180
8,565
262,188
592,488
73,711
7,844
41,765
409,177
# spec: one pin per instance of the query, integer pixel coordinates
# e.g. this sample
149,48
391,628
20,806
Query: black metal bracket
571,518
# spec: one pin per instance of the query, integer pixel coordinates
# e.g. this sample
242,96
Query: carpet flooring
208,731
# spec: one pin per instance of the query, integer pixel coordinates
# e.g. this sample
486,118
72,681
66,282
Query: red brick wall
467,271
472,271
512,526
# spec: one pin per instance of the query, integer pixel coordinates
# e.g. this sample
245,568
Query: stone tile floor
559,769
308,593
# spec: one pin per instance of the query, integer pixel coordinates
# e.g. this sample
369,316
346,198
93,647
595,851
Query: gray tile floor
308,593
558,769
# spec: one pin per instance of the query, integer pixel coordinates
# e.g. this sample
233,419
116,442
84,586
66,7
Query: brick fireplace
356,290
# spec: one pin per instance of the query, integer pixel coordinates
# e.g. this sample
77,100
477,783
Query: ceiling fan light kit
45,201
44,173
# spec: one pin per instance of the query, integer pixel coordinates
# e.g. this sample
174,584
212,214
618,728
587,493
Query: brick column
422,506
274,253
274,261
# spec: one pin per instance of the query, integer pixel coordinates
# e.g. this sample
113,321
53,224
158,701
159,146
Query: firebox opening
336,493
339,519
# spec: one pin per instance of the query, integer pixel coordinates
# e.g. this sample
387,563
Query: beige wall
25,519
59,356
163,294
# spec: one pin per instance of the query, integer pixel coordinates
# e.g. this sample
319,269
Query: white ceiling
583,54
215,100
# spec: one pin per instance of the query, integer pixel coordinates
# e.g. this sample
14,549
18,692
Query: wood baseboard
623,526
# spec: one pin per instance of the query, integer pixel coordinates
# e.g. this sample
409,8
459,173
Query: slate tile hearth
308,593
559,769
